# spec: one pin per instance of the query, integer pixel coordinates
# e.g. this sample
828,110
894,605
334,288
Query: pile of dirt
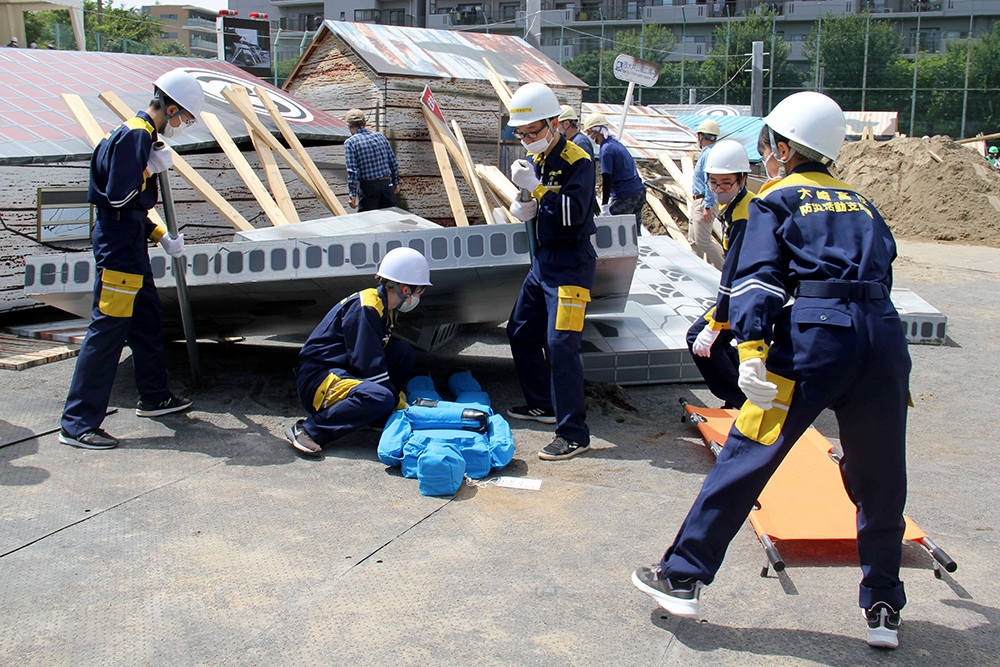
957,199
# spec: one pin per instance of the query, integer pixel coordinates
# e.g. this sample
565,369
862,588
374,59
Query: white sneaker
883,622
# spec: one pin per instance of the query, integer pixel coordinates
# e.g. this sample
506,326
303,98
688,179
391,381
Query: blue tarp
743,129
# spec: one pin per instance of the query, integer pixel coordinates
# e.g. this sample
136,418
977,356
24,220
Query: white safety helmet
184,89
594,120
709,126
727,157
568,113
405,266
812,120
533,102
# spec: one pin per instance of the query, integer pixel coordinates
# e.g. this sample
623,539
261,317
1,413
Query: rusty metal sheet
648,131
449,54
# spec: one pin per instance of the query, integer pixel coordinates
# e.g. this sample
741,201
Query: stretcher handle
771,552
939,554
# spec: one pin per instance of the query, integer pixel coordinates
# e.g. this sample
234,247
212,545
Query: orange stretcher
805,499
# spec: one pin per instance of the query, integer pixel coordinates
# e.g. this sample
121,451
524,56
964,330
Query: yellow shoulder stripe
371,299
571,153
139,124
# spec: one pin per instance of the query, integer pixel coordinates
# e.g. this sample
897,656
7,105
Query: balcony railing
383,17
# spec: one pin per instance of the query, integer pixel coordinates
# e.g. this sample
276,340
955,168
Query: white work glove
605,210
703,343
172,246
753,382
524,210
523,175
159,160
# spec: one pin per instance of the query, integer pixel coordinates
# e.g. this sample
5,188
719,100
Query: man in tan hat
569,127
372,171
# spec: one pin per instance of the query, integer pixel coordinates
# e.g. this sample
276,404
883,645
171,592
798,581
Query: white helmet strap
774,148
161,96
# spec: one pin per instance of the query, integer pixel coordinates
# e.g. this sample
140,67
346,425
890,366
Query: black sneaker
678,596
532,414
172,404
301,440
92,439
561,448
883,622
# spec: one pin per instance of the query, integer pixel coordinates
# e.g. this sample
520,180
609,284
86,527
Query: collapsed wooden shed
383,70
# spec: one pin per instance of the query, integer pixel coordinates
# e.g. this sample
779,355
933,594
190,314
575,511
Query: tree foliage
117,25
726,69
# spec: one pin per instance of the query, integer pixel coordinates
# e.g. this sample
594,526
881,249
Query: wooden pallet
18,353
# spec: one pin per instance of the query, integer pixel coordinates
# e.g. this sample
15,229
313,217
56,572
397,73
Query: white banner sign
642,72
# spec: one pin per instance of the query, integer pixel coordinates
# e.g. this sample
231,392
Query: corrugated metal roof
36,127
448,54
704,109
744,129
647,130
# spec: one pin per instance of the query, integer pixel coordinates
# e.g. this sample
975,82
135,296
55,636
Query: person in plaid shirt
372,172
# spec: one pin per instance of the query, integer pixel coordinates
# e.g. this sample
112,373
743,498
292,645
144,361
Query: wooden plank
668,221
325,193
499,85
448,176
200,185
477,185
937,158
453,150
675,173
971,140
19,353
244,169
81,114
687,166
270,165
500,184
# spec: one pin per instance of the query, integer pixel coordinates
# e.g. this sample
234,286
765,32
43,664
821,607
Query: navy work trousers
375,194
556,384
721,368
859,367
94,376
366,402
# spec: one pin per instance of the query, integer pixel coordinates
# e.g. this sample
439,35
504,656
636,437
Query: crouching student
710,338
351,371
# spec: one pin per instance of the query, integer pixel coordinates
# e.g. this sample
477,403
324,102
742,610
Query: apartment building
570,27
194,27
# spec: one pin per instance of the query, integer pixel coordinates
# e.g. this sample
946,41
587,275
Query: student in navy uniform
351,371
709,338
549,312
372,170
623,192
840,345
123,187
569,127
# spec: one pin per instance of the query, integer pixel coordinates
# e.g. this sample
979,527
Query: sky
214,5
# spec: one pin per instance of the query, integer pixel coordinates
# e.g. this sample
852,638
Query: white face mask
409,304
539,145
171,132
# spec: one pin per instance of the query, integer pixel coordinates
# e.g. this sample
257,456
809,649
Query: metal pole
725,86
916,60
684,25
628,103
864,76
770,72
642,41
965,93
819,46
600,64
179,265
757,80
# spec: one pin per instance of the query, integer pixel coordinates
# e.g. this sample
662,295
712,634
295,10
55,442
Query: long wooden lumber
477,185
500,184
675,173
326,195
499,85
447,175
81,114
244,169
187,172
271,170
668,221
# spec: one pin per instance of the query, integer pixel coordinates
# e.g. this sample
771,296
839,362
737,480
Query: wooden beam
477,186
971,140
187,172
274,177
499,85
668,220
448,176
244,169
325,193
937,158
687,166
445,135
500,184
81,114
675,173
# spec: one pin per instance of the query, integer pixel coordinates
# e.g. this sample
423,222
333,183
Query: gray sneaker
883,624
172,404
93,439
561,448
678,596
301,440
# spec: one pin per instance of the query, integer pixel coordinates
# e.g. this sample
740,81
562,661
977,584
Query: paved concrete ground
205,540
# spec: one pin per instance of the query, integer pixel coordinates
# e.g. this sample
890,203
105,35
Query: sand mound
957,199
